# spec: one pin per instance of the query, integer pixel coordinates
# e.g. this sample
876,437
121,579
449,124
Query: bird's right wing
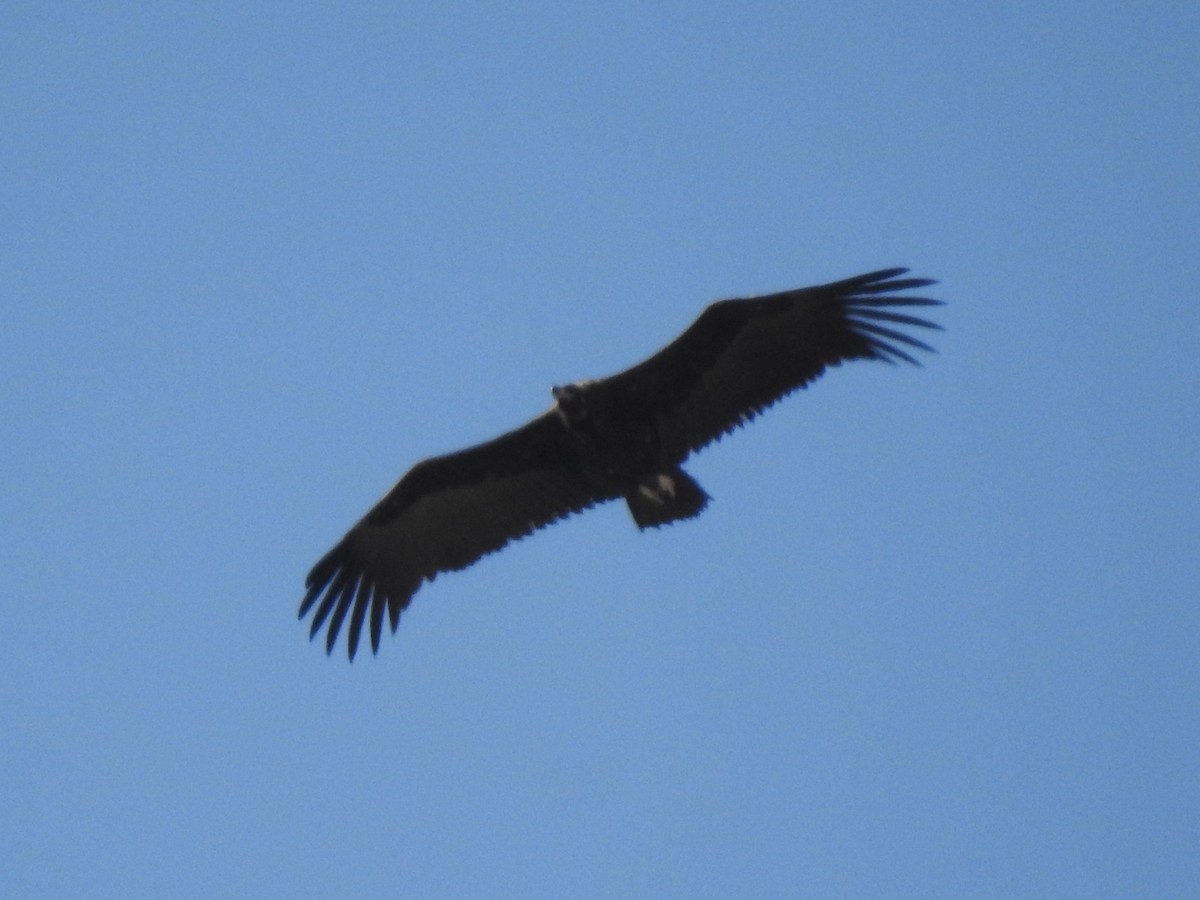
741,356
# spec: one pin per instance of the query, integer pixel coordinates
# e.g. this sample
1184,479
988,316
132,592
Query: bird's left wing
443,515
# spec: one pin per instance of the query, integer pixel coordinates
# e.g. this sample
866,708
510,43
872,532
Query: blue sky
937,635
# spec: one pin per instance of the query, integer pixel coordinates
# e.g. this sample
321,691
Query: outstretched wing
741,356
443,515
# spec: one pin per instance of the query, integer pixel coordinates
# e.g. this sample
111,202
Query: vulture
622,437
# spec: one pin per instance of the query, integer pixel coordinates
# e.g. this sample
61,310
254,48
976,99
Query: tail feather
665,498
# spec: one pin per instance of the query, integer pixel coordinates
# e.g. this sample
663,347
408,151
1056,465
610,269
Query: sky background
937,636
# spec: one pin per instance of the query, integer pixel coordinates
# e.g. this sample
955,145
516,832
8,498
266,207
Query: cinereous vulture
621,437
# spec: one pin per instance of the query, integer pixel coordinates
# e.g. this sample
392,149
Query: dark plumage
625,436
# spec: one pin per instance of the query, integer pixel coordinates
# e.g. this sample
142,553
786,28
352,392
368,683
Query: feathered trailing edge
863,309
340,578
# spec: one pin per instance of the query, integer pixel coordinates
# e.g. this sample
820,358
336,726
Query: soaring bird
622,437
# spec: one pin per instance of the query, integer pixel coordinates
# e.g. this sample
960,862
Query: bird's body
625,436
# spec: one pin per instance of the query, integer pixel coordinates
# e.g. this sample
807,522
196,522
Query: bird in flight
622,437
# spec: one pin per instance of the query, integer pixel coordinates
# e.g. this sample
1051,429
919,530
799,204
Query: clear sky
937,636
